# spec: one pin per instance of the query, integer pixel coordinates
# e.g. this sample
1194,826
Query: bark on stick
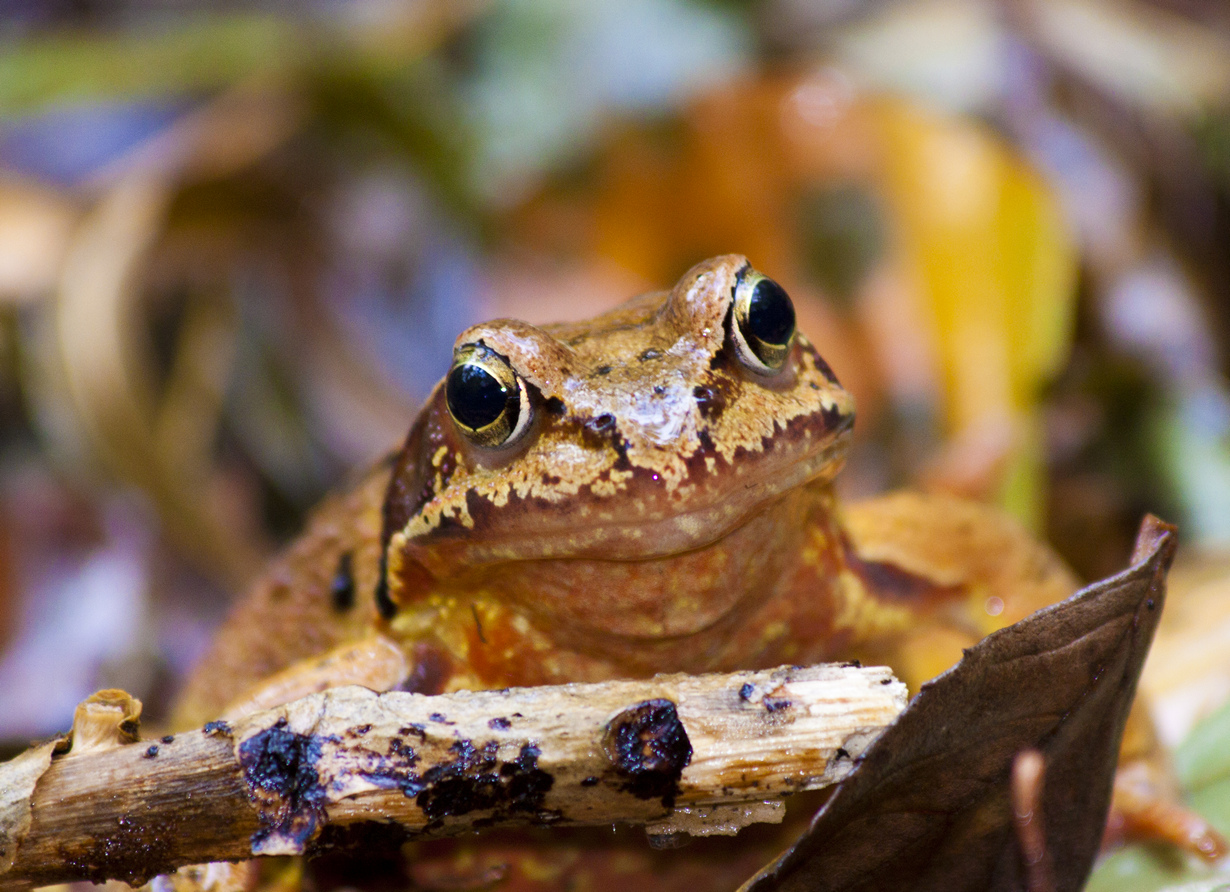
677,753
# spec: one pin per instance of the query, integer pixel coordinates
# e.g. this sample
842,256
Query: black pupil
475,397
770,314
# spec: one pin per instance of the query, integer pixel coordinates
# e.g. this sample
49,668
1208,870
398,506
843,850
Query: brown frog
646,491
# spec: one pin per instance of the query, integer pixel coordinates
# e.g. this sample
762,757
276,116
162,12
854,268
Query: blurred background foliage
238,239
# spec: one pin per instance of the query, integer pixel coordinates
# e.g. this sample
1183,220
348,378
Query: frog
650,490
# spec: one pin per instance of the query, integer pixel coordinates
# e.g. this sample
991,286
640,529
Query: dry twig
678,753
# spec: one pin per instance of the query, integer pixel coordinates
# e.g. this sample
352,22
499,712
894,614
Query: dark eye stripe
384,604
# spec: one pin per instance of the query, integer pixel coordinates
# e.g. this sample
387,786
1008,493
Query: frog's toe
1144,809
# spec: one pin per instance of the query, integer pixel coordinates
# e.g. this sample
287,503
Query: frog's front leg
972,570
962,569
374,662
316,596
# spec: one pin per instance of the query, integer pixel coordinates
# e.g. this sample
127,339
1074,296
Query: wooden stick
678,753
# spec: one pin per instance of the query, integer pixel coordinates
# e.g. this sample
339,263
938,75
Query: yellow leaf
995,269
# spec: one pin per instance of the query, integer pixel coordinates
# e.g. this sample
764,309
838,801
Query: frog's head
650,431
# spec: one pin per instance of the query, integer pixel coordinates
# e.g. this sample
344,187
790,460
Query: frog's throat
646,602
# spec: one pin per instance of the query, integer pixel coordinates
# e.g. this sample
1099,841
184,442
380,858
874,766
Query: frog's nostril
603,424
835,420
710,401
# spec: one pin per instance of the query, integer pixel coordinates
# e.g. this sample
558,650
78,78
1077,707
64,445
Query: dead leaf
36,223
929,805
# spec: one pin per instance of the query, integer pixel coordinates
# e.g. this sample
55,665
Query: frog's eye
761,323
486,398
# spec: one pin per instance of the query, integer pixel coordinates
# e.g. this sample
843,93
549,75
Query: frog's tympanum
646,491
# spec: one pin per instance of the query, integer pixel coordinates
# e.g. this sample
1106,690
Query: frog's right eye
761,322
486,398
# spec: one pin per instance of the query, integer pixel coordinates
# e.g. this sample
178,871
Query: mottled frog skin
645,491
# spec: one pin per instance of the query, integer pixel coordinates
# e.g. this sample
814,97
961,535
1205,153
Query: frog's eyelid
525,411
742,349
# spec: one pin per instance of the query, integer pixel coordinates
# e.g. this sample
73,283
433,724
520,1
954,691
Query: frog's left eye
761,323
486,398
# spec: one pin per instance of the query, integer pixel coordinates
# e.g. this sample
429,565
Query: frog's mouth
642,520
660,568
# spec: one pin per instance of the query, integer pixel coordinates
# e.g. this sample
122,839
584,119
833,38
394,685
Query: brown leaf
929,805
